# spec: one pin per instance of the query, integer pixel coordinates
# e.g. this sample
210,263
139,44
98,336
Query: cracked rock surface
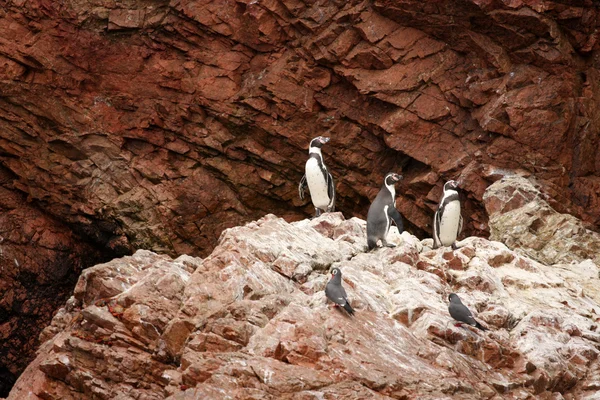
157,124
251,321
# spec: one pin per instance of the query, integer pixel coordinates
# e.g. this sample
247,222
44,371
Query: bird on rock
382,212
461,313
447,221
318,179
336,293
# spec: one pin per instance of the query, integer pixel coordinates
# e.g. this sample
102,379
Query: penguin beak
323,139
398,177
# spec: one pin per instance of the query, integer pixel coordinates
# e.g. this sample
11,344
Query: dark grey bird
461,313
336,293
382,212
318,179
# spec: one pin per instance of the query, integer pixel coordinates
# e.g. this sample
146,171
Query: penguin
336,293
461,313
447,221
382,212
317,177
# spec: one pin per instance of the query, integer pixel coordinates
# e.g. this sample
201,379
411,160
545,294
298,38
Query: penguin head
392,178
453,298
336,272
450,185
319,141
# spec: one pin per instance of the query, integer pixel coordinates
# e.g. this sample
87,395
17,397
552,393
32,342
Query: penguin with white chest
318,179
447,221
382,212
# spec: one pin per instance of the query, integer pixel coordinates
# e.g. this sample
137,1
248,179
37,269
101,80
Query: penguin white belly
387,221
449,223
317,185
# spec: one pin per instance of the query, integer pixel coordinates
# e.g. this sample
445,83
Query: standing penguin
382,212
447,221
336,293
461,313
319,180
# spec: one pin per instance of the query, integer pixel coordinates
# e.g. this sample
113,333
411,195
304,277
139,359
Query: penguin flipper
302,187
436,224
331,192
397,218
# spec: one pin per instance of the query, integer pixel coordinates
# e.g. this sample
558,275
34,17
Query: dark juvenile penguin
336,293
317,177
447,221
461,313
382,212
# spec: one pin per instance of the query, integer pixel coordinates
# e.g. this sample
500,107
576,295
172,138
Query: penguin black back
382,212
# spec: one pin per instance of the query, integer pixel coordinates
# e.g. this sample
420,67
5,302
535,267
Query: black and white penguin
461,313
382,212
319,180
335,292
447,221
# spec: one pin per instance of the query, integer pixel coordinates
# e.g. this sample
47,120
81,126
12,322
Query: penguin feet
454,246
317,212
386,244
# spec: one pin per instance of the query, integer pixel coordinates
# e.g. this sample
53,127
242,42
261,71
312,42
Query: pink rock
233,323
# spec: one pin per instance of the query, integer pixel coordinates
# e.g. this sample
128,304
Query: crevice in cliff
41,260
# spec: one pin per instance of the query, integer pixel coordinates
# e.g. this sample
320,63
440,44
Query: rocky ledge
251,319
116,116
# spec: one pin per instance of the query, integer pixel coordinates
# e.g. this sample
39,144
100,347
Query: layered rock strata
40,262
251,321
156,124
520,217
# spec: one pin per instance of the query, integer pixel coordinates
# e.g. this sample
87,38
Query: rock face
40,261
251,321
521,218
156,124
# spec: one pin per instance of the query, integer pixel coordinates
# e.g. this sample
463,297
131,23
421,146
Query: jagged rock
520,217
238,324
158,125
40,261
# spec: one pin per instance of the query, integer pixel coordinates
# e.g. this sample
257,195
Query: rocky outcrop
40,261
158,124
251,321
520,217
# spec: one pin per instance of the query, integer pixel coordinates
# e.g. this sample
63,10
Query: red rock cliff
250,321
157,124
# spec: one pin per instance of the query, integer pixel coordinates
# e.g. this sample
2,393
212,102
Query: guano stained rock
156,124
251,321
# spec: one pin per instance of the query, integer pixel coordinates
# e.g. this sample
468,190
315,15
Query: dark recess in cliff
156,125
